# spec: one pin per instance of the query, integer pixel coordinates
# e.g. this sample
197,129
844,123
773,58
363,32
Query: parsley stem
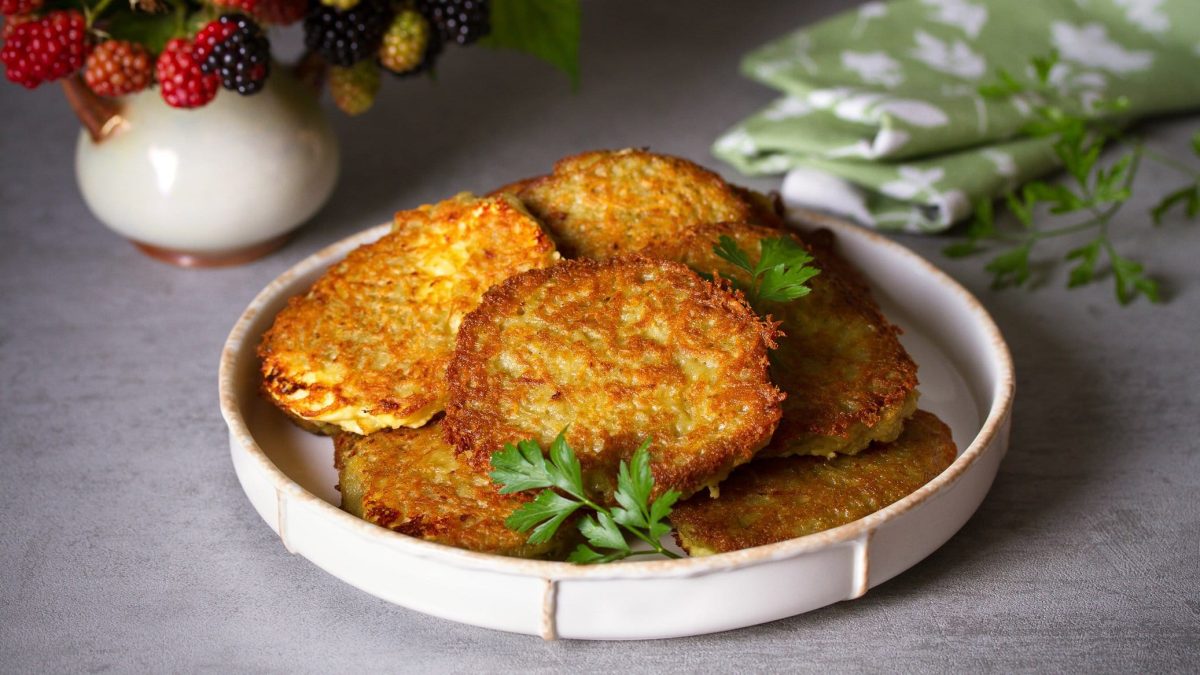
1171,162
658,548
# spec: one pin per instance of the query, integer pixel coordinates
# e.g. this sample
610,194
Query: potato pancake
410,481
616,352
366,347
771,500
848,379
604,203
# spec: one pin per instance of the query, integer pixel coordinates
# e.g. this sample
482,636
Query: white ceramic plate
966,379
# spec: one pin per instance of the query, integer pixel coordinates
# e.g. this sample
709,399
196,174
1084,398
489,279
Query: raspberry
354,88
461,21
345,38
11,22
409,45
117,68
235,48
15,7
45,49
279,12
181,81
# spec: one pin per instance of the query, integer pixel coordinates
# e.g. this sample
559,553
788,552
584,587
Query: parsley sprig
1095,191
522,467
782,272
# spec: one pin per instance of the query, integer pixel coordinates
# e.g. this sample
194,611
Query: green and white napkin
882,121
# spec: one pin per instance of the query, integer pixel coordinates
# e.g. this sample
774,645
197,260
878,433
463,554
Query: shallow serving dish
966,379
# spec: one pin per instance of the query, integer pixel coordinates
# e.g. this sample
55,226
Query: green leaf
1060,198
1131,280
602,532
544,514
566,472
1189,196
727,249
634,485
584,555
150,30
659,510
1019,208
1196,143
961,249
520,467
1042,65
546,29
1004,86
784,284
1085,271
1010,268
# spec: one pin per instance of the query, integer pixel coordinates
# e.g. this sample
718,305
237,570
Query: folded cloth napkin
882,120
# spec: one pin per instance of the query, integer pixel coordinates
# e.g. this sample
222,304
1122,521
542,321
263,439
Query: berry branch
201,46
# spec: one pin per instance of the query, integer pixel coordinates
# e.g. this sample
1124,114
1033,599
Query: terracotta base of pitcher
239,256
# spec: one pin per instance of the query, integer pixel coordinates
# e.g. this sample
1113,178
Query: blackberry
461,21
235,48
344,38
410,45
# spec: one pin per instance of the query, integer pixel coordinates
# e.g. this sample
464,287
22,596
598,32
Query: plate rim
1003,392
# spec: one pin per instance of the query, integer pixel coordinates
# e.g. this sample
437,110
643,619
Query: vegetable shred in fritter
604,203
616,352
848,379
410,481
366,348
771,500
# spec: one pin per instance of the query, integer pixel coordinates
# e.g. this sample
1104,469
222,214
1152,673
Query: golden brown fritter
848,379
615,352
410,481
604,203
771,500
366,347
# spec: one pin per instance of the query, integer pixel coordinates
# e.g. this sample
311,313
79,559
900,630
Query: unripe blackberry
45,49
180,80
354,88
117,68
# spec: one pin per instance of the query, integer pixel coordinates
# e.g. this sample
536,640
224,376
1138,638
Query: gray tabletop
126,543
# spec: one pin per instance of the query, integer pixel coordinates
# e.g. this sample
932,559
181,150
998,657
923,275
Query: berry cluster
357,39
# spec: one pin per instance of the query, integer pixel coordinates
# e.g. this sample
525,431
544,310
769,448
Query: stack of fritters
620,343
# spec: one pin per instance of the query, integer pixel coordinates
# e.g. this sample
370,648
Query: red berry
117,67
12,7
45,49
180,80
11,22
280,12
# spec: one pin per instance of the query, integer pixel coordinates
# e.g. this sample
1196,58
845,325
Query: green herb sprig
782,272
522,467
1095,191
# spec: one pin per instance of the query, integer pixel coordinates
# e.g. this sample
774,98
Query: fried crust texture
848,379
616,352
772,500
366,347
605,203
411,481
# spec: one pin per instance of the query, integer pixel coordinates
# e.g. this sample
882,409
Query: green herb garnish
781,274
1096,191
523,467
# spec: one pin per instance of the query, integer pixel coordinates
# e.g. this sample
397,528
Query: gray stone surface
127,545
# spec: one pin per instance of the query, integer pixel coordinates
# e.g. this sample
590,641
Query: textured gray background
126,543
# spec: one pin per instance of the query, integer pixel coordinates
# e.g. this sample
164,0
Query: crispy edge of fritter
383,483
280,378
601,236
796,496
879,418
479,435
